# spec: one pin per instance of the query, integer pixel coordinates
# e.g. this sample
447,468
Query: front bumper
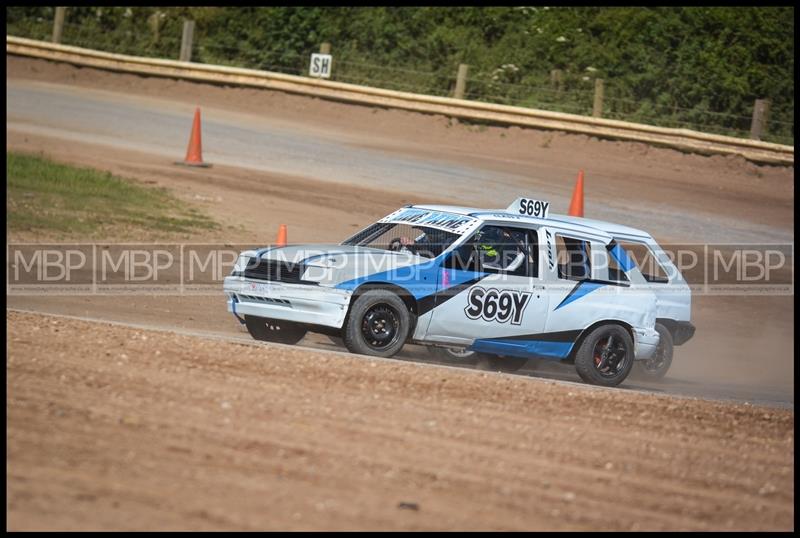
645,343
301,303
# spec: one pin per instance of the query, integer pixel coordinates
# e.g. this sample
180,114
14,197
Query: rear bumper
645,342
300,303
683,332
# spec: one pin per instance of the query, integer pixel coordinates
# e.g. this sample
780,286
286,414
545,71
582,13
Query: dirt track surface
124,429
709,366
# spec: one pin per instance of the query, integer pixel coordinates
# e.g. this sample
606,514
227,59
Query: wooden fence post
758,127
557,79
154,21
461,81
597,109
58,24
186,41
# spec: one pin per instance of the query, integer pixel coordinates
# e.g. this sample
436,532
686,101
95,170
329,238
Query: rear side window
573,257
648,265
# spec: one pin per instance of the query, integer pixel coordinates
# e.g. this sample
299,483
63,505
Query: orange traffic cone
281,242
576,205
194,153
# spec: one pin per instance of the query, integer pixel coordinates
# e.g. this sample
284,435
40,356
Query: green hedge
696,67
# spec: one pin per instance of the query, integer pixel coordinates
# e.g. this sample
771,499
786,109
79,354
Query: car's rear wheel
274,330
495,363
656,367
378,324
605,357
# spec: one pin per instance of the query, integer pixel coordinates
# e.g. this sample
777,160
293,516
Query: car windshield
400,237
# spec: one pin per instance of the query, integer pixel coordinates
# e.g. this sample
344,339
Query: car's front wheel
605,357
274,330
378,324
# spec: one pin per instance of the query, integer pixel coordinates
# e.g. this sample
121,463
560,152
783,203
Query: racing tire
605,356
274,330
458,355
378,324
655,368
494,363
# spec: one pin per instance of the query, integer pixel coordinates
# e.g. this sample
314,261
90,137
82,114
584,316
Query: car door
486,291
590,286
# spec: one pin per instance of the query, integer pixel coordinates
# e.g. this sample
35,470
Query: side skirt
554,346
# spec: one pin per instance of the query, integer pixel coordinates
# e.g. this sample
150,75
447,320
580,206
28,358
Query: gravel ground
123,429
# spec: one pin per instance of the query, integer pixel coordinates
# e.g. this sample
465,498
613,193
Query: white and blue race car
507,284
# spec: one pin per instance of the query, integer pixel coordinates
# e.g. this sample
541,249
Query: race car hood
332,265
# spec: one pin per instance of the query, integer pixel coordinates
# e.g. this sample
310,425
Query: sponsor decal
491,304
266,287
450,222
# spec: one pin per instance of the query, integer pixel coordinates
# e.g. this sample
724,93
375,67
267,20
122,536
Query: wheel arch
404,294
586,331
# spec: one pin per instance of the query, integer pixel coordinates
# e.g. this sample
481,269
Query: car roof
459,210
610,227
505,216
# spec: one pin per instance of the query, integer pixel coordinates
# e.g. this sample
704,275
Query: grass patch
66,201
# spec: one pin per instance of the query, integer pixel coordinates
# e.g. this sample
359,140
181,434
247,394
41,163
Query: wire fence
507,85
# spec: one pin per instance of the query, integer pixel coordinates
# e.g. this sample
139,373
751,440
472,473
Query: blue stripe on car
234,300
522,348
580,289
419,280
621,255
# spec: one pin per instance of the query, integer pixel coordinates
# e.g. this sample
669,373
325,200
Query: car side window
461,258
573,258
498,249
648,265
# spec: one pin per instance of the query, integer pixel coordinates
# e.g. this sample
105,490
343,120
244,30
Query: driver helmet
491,235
